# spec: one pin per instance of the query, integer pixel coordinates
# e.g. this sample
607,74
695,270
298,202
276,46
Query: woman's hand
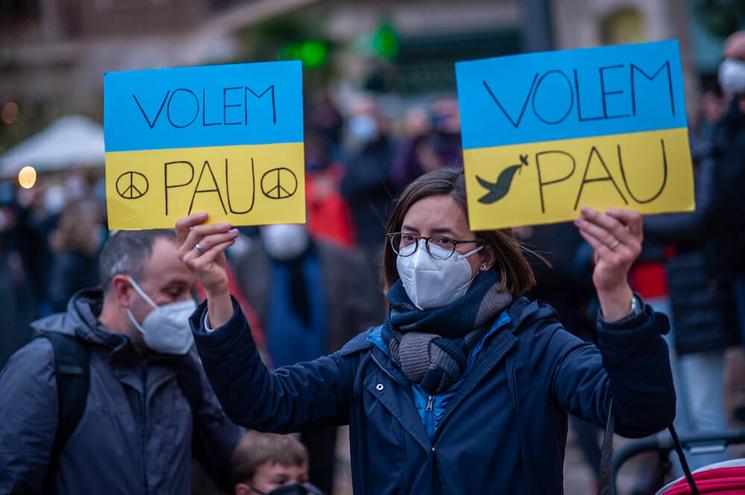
202,250
616,238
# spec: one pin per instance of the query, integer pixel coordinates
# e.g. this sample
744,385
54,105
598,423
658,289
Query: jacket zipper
429,416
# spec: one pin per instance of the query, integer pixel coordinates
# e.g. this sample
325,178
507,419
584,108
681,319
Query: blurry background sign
70,142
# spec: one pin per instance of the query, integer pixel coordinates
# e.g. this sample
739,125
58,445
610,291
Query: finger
184,225
197,233
210,255
631,218
599,248
612,225
599,233
209,241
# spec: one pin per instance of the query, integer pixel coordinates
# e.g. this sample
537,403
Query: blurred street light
27,177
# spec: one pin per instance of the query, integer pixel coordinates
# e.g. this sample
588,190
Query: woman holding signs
465,387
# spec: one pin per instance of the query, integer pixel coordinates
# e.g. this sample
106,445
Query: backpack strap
72,374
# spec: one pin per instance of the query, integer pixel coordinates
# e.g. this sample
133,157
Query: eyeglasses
405,244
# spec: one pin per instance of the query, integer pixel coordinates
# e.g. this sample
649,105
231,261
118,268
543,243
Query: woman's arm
630,365
285,400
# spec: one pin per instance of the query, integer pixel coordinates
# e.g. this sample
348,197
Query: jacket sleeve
630,365
285,400
28,418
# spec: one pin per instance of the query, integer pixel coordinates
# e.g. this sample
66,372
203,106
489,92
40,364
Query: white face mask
430,282
285,241
166,328
732,75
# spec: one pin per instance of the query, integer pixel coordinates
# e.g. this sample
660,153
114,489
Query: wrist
616,303
216,291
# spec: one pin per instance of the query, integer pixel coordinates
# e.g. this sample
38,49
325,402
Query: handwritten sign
225,139
547,133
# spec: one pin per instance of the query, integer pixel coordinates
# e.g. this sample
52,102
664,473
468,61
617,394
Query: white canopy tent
69,142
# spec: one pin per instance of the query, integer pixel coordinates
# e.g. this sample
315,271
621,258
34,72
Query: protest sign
547,133
226,139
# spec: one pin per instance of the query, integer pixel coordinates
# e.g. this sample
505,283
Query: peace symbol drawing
279,183
132,185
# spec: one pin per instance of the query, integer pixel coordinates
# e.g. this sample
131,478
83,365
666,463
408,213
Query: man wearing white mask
110,399
309,304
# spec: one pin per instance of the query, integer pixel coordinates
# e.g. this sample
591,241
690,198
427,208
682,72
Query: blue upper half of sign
218,105
571,94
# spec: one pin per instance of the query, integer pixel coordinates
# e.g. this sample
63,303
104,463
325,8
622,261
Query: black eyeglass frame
456,242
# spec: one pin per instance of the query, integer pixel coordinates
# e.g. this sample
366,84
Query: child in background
270,464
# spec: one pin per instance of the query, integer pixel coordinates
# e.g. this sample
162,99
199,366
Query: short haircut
127,252
515,272
256,449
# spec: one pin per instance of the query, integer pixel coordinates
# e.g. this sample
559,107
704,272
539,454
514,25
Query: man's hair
257,448
127,252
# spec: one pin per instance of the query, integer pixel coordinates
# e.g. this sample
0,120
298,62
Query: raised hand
616,238
202,249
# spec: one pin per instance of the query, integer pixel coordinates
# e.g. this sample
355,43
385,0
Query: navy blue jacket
505,429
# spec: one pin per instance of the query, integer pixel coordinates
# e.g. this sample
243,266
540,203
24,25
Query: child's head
263,462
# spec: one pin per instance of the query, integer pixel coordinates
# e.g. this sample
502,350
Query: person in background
110,398
311,297
16,294
270,464
367,184
75,243
407,164
433,144
329,217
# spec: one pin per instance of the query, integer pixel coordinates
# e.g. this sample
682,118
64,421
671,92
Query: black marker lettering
204,110
541,184
196,108
664,176
571,98
579,101
155,120
167,186
608,177
270,89
253,189
605,94
634,69
225,106
200,191
514,123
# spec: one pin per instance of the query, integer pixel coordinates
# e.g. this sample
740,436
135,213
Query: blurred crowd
357,159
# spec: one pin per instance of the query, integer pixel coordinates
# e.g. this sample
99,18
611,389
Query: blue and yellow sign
547,133
226,139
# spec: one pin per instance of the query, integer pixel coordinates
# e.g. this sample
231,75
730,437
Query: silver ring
199,248
615,245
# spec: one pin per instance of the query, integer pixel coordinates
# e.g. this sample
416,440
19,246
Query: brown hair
257,448
515,272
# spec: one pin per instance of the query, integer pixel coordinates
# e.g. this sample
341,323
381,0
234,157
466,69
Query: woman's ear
487,258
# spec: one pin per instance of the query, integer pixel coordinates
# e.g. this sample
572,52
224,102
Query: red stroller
725,478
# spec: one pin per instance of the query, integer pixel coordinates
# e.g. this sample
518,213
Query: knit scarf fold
432,346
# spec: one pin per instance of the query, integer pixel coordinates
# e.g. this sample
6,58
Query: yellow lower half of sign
243,185
548,182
